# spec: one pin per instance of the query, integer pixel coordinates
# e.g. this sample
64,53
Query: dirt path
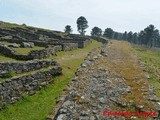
123,63
110,79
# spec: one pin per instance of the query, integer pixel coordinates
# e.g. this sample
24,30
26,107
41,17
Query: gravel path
110,79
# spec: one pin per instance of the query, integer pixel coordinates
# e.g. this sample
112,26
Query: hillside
35,66
46,74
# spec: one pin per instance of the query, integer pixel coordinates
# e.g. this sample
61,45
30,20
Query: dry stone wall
34,54
21,67
11,90
69,46
104,41
40,54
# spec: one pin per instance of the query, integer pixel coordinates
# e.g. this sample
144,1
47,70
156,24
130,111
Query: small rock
93,96
98,117
83,65
43,84
61,117
66,103
140,107
32,93
92,118
63,111
154,98
14,45
99,56
74,79
133,117
148,76
102,100
95,57
50,117
85,113
104,53
128,89
95,111
94,104
82,97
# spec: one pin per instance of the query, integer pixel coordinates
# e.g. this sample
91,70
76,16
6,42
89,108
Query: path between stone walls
111,79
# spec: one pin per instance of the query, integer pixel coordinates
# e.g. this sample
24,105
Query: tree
151,34
129,36
96,32
68,29
108,33
155,39
116,35
125,35
134,38
82,24
141,37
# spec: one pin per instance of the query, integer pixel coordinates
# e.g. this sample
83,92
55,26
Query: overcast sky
120,15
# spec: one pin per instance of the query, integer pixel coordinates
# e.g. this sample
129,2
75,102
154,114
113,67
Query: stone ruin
38,73
15,87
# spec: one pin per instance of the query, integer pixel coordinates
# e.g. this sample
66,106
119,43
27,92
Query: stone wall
53,34
40,54
32,34
82,44
19,33
69,46
36,42
42,37
21,67
64,45
5,50
104,41
34,54
13,89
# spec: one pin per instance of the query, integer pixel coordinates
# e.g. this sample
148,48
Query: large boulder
27,44
31,44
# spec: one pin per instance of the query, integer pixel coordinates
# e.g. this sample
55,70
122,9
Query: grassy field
38,106
25,51
151,57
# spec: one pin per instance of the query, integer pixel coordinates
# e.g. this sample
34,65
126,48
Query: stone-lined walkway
111,78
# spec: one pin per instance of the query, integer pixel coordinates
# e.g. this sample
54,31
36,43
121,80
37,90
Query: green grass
25,51
7,25
11,25
152,59
5,42
5,59
38,106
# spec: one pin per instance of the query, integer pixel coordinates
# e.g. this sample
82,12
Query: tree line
150,36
